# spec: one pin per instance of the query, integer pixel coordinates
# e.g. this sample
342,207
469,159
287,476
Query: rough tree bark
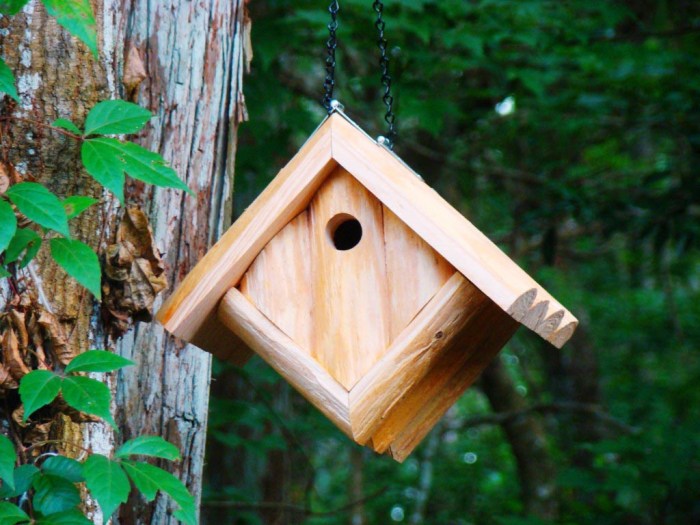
528,441
182,60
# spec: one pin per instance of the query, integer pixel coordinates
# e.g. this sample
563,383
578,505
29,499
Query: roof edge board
454,237
197,296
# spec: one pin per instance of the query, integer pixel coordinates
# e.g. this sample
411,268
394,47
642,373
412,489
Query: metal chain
331,45
388,99
329,83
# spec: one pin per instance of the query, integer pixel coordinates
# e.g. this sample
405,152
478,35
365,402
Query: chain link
331,45
329,83
388,99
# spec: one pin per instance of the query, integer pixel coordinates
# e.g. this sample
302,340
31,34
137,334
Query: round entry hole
345,231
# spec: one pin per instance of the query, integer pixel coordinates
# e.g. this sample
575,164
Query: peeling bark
192,57
194,61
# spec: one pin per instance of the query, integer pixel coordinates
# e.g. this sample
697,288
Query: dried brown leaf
134,70
17,415
136,229
14,175
119,258
11,355
38,433
7,382
24,301
37,338
53,331
19,323
135,273
4,178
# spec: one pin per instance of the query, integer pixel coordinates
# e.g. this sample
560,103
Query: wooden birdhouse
363,288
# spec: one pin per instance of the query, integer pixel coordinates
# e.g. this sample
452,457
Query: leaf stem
43,125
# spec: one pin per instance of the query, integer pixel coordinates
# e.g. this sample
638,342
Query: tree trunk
183,61
356,492
528,441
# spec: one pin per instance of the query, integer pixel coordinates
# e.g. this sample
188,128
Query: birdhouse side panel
278,282
413,354
348,270
453,372
415,272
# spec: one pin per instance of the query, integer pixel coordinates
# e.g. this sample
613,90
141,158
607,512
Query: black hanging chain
331,45
388,98
329,82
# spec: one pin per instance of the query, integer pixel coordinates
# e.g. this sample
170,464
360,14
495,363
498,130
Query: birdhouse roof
191,311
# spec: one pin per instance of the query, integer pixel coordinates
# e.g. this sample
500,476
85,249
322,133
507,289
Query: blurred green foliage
569,132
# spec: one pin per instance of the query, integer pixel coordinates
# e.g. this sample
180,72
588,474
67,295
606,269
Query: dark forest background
567,131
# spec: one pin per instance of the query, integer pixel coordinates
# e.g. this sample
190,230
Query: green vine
46,488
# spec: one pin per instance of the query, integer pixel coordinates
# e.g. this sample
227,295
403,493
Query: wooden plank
432,411
284,355
278,281
436,222
185,311
455,370
413,355
429,271
350,299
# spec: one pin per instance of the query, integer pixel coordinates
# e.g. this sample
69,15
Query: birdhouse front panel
364,289
344,278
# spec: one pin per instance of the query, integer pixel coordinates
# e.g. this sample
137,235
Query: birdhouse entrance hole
344,231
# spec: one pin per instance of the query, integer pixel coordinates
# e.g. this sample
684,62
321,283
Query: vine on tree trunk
43,380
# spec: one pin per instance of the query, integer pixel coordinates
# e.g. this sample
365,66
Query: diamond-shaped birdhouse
363,288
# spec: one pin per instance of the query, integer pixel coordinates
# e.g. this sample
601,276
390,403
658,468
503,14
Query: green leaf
69,517
107,483
40,206
4,273
63,467
77,17
8,224
77,204
89,396
24,239
66,124
24,475
145,483
11,514
12,7
80,262
150,167
153,446
97,361
8,456
106,156
138,162
54,494
114,117
7,81
37,389
105,164
147,477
